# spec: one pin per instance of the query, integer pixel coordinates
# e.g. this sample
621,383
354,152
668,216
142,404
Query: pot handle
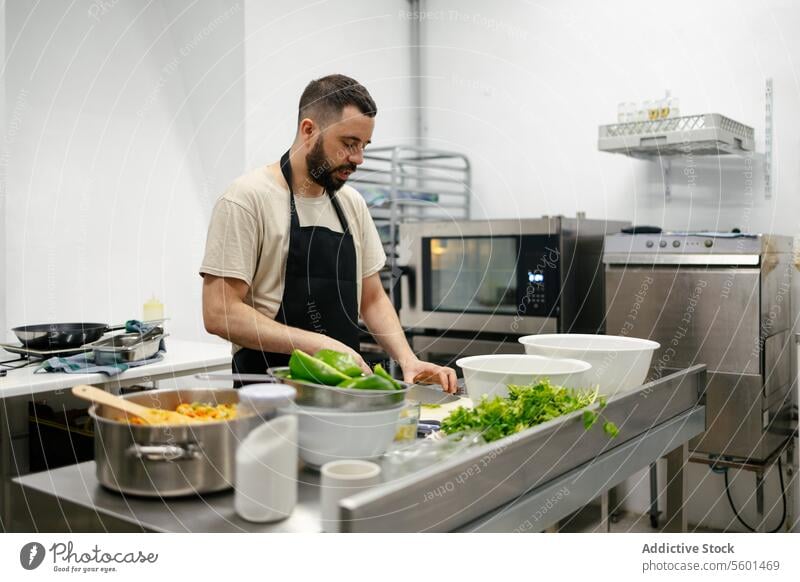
165,452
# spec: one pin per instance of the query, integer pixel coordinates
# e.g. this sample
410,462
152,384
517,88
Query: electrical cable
783,498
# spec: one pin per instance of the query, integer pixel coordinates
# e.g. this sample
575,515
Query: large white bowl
331,435
619,363
491,374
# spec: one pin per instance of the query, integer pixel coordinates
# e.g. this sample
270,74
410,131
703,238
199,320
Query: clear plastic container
404,458
408,422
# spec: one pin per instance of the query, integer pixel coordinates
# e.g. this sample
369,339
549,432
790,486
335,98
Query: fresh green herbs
592,416
524,407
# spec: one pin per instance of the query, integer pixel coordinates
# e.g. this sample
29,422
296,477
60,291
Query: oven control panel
539,275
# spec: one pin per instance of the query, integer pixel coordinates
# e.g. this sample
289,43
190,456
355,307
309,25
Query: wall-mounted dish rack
707,134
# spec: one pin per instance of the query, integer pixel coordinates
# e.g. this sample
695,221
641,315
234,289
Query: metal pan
321,396
57,336
127,347
61,335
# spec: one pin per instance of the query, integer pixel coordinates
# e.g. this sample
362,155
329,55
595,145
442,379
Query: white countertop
182,358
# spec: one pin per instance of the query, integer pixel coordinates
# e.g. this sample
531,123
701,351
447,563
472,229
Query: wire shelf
705,134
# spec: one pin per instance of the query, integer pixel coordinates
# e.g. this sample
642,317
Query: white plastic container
342,479
491,374
619,363
329,435
266,471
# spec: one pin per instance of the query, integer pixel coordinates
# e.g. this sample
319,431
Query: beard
322,171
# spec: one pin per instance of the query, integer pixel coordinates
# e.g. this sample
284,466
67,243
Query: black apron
320,286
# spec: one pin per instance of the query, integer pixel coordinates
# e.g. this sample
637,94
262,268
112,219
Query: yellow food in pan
196,410
202,411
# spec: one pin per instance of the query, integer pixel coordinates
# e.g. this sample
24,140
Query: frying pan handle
188,451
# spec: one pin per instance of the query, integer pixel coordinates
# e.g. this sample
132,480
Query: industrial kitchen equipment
719,299
723,300
476,286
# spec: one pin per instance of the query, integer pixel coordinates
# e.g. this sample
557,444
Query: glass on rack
641,111
652,110
674,107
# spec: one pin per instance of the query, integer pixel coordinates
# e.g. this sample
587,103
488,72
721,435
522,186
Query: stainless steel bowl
344,399
168,461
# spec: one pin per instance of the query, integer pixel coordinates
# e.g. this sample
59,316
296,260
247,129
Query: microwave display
509,275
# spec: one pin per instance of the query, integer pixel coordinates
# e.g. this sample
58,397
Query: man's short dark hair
324,99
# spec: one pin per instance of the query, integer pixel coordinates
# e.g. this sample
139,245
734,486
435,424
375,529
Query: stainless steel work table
23,385
525,483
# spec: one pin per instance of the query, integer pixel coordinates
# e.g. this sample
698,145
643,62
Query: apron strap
286,170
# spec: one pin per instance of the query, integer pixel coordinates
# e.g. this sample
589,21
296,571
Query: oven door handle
409,273
399,272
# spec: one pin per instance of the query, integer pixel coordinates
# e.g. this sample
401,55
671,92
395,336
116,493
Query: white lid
267,396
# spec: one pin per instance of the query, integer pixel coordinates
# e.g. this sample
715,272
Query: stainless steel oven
723,300
510,277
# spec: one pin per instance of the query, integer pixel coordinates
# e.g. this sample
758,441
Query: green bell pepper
305,367
345,363
371,382
379,371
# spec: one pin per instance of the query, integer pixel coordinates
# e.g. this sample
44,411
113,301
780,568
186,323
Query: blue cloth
84,363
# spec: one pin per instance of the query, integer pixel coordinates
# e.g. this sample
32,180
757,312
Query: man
292,256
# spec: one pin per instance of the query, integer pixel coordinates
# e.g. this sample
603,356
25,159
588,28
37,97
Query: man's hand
227,314
417,371
328,343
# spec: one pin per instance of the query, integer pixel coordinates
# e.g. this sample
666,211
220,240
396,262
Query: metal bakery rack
409,184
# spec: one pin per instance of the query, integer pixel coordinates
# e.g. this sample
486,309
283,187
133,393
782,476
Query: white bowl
619,363
330,435
491,374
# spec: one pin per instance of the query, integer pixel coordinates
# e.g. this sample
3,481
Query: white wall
128,121
285,49
4,160
130,118
537,79
522,88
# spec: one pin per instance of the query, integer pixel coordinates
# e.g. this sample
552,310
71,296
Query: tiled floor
587,520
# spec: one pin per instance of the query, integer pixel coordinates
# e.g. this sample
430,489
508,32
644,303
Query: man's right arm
226,315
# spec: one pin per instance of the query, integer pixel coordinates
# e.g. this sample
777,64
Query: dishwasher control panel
694,243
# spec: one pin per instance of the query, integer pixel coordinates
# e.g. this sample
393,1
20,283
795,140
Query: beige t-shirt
248,237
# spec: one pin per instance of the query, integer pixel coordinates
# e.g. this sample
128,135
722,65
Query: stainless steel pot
169,461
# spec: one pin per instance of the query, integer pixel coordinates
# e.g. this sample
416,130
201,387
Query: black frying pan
61,336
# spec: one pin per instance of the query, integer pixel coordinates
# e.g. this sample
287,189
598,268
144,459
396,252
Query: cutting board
443,410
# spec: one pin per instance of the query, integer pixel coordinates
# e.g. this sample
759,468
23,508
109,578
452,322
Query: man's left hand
420,372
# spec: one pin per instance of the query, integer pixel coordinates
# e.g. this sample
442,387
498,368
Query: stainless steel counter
77,485
524,483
